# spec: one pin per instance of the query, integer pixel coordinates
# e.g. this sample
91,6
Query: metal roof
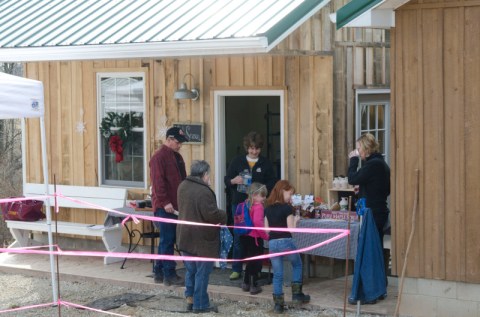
87,29
367,13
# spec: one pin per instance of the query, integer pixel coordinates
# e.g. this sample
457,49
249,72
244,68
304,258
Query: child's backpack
242,218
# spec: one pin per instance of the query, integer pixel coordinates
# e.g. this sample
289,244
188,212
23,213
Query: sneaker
235,276
211,309
174,280
158,278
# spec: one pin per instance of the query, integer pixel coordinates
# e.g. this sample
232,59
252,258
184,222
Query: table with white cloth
336,249
134,235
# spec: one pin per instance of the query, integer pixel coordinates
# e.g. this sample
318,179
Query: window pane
381,141
364,125
137,169
136,119
121,106
381,117
136,146
372,117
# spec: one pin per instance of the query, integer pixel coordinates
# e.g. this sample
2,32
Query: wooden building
314,73
435,67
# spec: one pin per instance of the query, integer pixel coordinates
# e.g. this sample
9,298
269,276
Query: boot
279,303
245,287
189,303
297,296
254,288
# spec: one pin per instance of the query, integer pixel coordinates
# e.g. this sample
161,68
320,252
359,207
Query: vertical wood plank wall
318,67
436,129
71,99
361,59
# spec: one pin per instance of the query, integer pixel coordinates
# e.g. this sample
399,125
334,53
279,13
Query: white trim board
219,134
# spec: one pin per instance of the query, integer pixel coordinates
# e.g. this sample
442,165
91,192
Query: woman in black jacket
373,177
261,171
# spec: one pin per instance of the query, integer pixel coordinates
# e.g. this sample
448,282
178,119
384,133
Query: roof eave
367,13
300,15
376,18
136,50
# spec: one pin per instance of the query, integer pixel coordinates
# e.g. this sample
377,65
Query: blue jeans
168,232
282,245
237,252
196,281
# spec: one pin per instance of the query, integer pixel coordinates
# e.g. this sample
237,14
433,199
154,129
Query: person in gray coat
197,203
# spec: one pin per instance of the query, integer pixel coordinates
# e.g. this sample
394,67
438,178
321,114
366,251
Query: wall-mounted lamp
184,92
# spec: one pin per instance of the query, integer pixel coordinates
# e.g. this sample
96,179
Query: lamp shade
185,93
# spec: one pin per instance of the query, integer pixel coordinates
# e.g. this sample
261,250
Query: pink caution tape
38,249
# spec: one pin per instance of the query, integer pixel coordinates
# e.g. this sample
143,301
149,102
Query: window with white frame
373,116
121,114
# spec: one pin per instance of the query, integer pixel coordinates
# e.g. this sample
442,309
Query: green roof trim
291,18
352,10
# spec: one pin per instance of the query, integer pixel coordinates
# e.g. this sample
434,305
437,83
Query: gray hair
199,168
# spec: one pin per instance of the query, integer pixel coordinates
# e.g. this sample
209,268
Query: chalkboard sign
193,131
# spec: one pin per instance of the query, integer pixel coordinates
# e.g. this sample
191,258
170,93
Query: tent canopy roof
20,97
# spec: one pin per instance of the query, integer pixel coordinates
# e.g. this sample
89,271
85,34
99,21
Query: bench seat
111,236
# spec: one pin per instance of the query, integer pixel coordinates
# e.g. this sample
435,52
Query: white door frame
219,134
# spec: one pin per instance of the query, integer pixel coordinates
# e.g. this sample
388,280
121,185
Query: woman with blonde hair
373,178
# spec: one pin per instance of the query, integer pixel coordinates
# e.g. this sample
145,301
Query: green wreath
123,123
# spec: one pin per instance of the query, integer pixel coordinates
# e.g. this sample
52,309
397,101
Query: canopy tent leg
48,208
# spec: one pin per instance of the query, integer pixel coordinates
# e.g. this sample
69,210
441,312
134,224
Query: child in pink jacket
252,242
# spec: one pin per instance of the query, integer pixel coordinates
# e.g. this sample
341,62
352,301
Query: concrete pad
325,293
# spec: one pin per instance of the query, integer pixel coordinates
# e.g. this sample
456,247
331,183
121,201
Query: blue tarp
369,272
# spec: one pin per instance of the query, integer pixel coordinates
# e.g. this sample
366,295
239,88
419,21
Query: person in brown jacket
197,203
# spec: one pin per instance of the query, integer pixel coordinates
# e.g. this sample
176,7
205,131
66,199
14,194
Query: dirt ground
19,291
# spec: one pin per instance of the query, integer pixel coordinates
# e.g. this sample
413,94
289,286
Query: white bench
111,236
102,196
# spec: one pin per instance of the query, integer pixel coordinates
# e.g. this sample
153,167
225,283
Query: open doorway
236,114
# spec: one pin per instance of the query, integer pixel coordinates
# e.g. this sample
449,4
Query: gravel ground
19,291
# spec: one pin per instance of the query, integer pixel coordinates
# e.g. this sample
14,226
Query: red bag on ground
25,210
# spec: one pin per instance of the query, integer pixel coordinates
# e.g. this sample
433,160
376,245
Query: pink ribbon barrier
62,303
146,256
68,304
135,218
26,307
341,233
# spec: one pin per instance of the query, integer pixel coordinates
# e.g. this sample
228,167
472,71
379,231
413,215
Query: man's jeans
168,232
196,281
282,245
237,252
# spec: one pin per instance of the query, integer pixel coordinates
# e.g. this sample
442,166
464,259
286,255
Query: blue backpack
242,218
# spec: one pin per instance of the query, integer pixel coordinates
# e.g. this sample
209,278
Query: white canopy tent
23,98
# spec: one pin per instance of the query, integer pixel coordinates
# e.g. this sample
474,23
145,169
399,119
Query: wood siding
318,67
436,129
70,98
361,59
